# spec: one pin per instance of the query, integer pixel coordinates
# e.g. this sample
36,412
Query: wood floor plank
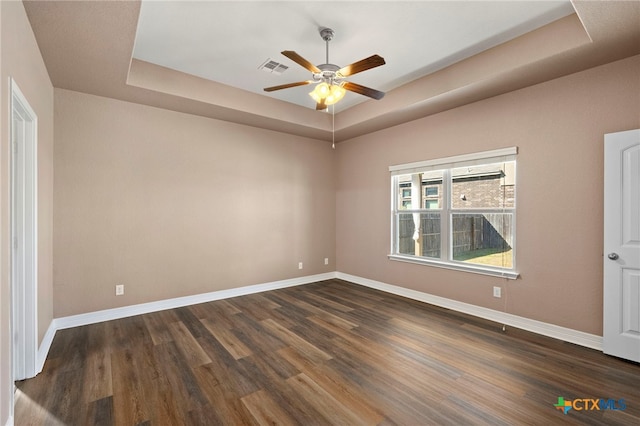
299,342
265,410
272,380
128,393
327,303
230,341
33,396
206,415
162,374
179,375
221,312
127,333
254,306
33,412
319,398
270,364
190,321
97,376
336,386
157,324
188,345
335,320
225,308
396,371
323,353
253,334
225,370
100,412
296,305
224,397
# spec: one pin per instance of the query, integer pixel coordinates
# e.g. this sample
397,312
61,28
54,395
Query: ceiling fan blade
300,61
288,85
363,65
362,90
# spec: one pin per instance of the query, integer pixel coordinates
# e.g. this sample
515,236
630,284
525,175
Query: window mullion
394,214
445,214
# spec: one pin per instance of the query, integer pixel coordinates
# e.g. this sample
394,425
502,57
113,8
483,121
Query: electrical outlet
299,265
497,292
326,260
119,289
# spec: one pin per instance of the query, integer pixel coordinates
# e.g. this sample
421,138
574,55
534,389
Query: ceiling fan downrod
328,71
327,36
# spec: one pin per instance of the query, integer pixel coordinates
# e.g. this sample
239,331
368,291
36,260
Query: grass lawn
490,256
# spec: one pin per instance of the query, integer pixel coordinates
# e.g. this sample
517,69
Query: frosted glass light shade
327,94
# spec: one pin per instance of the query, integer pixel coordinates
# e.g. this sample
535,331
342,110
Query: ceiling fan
330,78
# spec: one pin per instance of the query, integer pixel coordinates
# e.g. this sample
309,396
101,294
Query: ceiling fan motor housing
328,73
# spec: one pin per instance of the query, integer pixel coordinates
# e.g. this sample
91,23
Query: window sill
476,269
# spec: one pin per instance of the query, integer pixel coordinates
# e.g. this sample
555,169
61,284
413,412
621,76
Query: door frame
23,235
620,268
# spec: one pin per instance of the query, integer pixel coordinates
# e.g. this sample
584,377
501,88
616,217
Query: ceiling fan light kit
327,94
331,85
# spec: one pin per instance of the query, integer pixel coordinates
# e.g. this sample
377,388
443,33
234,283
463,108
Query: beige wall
21,60
171,204
558,127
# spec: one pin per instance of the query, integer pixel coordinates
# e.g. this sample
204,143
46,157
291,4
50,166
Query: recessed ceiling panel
230,41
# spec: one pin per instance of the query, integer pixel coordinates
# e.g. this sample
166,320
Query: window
457,212
431,204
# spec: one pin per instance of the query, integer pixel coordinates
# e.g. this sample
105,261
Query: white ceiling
227,41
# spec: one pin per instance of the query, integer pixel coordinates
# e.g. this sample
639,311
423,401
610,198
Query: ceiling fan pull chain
333,126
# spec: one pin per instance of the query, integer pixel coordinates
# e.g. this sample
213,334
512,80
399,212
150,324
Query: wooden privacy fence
470,232
481,231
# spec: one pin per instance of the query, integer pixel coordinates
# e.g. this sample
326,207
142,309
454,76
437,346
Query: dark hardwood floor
324,353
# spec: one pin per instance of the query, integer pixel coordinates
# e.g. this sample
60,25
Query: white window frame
446,164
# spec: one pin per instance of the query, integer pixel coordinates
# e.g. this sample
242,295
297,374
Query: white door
621,335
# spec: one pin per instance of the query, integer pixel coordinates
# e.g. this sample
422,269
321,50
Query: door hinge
15,243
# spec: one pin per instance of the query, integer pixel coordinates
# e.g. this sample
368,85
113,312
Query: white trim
23,235
161,305
464,267
9,421
496,155
550,330
45,345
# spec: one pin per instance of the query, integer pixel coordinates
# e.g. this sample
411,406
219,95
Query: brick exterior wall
485,192
482,192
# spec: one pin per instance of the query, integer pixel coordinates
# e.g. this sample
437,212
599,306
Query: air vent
273,67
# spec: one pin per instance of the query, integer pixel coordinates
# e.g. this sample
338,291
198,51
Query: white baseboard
9,421
550,330
161,305
562,333
45,345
